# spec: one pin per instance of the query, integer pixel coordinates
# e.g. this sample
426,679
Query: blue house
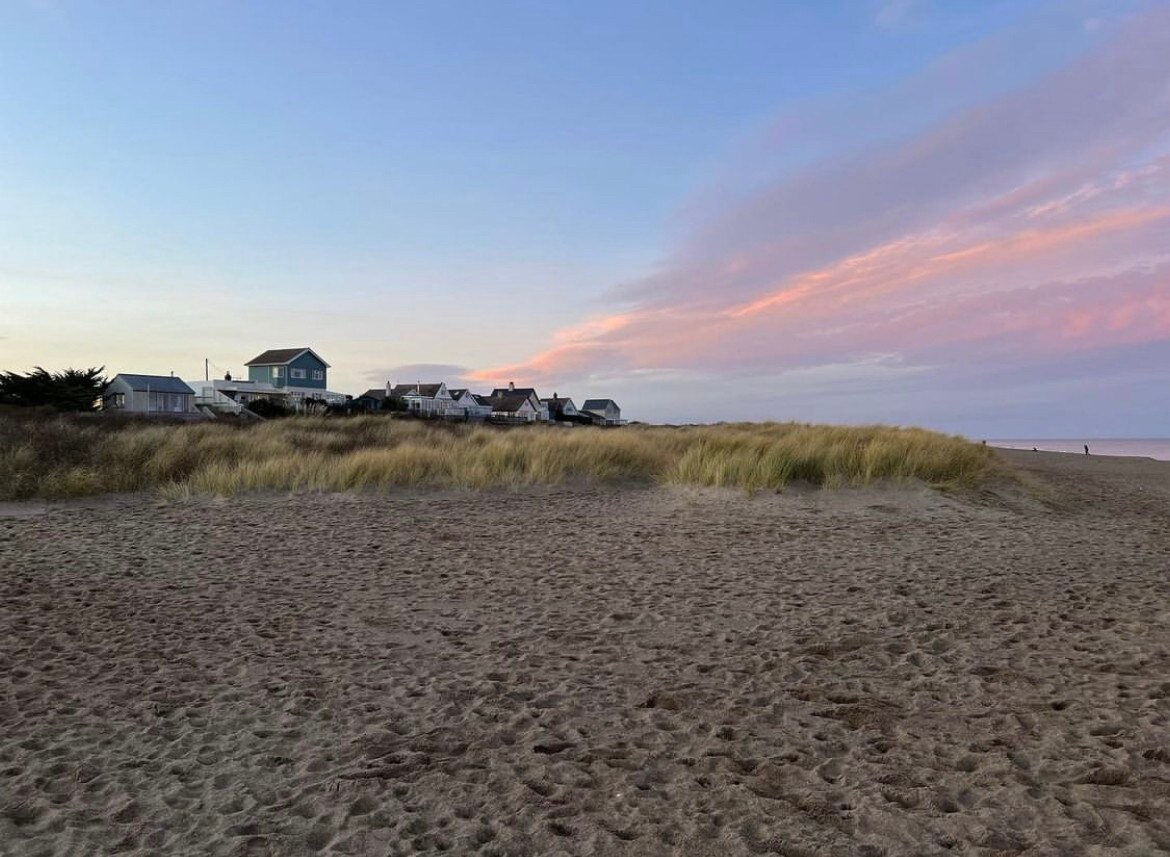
297,368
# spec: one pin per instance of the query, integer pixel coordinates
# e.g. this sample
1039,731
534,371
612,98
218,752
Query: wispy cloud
1032,224
410,373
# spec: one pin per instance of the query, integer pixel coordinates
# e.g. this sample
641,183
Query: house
148,394
602,412
560,410
511,409
528,392
229,396
469,403
296,374
289,367
371,400
212,397
425,400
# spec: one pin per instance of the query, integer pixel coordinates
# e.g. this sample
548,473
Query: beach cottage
512,409
296,374
469,404
371,400
559,410
528,392
425,400
148,394
602,412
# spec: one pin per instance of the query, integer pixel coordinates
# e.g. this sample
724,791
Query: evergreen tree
71,390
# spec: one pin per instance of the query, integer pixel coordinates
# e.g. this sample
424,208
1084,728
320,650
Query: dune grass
69,457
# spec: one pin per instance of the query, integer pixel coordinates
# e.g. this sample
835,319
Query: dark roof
155,383
282,357
457,392
428,390
482,399
518,391
506,404
377,393
598,404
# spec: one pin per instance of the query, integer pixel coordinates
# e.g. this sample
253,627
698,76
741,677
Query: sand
593,671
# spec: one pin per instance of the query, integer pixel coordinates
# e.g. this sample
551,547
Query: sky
951,214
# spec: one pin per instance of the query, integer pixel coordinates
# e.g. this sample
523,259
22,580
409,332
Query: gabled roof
457,392
376,393
155,383
517,391
598,404
428,391
282,357
506,404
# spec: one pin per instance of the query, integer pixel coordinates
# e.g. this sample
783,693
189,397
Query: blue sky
565,192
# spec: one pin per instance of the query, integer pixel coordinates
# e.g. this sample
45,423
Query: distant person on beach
1034,449
1086,449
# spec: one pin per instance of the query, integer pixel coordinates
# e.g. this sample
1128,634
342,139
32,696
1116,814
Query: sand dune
583,671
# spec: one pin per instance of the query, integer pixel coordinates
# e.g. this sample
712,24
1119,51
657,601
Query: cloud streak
1029,225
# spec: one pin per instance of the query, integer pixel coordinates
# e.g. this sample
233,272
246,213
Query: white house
529,393
469,405
224,395
512,409
426,400
603,412
148,394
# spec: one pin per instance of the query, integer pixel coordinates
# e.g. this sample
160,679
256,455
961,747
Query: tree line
71,390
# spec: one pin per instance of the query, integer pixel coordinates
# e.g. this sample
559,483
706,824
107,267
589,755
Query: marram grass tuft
64,457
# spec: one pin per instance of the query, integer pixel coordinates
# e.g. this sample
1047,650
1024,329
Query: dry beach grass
592,670
62,457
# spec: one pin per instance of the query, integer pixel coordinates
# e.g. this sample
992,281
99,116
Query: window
277,371
115,400
318,374
296,373
172,403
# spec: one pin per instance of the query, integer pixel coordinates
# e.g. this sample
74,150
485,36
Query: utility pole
206,371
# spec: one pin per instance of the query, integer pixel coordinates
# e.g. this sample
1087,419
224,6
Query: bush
268,409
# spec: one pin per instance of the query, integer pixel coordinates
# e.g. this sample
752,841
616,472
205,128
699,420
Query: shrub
268,409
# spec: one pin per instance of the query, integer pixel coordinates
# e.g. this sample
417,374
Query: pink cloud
1031,224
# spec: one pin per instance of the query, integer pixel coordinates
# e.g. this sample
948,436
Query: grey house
148,394
602,412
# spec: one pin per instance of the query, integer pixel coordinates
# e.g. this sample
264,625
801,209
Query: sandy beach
573,671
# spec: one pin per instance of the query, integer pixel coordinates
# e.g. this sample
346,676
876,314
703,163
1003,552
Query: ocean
1157,447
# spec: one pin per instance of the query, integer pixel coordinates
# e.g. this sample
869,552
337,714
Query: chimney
555,397
387,388
511,386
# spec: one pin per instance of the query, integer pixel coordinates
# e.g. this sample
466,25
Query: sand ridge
590,671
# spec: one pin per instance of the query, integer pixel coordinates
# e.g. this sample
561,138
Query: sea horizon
1140,447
